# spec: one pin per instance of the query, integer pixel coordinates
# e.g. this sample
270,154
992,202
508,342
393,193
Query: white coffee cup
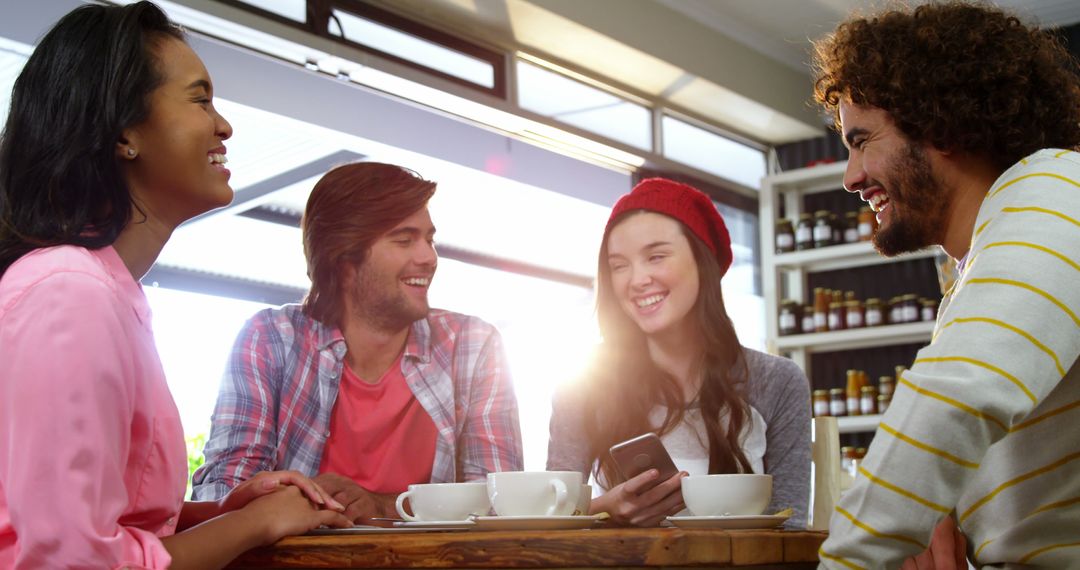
444,501
724,495
584,501
534,493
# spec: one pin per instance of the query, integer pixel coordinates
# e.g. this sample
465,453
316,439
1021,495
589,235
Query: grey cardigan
777,389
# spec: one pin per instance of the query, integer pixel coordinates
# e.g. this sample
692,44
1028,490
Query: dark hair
350,207
624,383
89,78
957,76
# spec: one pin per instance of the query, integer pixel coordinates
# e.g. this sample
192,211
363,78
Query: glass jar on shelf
821,309
785,236
837,226
821,403
867,223
928,310
804,232
822,229
837,405
910,307
851,227
836,316
853,316
868,402
900,369
883,402
886,385
873,314
808,325
789,319
854,383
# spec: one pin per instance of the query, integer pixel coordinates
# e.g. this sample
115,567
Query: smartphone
642,453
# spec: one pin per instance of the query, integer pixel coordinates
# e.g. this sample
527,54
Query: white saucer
536,523
730,522
436,525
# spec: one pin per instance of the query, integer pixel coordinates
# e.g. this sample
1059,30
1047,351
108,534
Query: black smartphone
642,453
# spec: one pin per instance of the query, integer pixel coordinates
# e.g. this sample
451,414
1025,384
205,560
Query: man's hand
360,504
267,482
948,550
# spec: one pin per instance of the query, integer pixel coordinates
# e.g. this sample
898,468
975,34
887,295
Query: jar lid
851,215
821,392
836,391
867,389
821,213
885,380
806,216
873,300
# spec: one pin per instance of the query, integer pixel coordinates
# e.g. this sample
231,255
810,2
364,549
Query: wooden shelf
833,341
842,257
858,424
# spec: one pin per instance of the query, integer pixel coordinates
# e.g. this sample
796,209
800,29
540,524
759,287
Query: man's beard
918,206
383,307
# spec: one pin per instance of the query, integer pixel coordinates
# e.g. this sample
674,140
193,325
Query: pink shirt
92,455
380,435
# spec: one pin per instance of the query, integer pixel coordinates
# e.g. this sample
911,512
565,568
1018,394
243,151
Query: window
712,153
295,10
412,48
564,99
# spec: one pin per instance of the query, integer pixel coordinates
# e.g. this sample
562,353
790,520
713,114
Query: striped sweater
986,422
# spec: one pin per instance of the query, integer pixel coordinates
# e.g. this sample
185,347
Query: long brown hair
350,207
624,384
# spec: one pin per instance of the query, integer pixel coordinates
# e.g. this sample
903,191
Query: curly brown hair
958,76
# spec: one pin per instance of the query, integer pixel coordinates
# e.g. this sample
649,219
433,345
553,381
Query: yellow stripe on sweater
1052,506
931,449
1036,290
955,403
876,532
1032,421
985,365
852,565
1062,153
975,557
1071,263
1035,553
1004,325
1032,175
1016,481
903,492
1015,209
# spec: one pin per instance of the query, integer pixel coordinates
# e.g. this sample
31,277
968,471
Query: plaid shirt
274,405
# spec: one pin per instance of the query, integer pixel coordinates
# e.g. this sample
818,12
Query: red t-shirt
380,435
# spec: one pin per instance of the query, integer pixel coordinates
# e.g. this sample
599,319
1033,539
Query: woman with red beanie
671,364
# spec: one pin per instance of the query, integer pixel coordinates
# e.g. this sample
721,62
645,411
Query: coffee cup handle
561,497
400,505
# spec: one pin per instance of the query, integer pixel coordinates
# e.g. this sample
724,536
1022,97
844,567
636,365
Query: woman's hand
947,551
267,482
637,503
287,512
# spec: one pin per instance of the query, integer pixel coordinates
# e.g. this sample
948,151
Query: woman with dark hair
671,364
111,143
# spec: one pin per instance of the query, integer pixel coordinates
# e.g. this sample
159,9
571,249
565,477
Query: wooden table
593,548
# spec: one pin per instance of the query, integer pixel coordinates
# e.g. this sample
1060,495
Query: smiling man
962,124
364,387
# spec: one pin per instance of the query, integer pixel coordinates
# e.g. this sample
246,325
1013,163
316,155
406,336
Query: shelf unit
786,274
858,424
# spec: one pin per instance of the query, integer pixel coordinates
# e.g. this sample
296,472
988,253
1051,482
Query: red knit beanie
684,203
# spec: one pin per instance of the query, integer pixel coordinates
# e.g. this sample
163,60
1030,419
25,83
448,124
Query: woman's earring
131,152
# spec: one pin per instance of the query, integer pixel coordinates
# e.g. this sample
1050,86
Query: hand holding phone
637,455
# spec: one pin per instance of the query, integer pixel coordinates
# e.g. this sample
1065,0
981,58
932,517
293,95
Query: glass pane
712,153
562,98
291,9
412,48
